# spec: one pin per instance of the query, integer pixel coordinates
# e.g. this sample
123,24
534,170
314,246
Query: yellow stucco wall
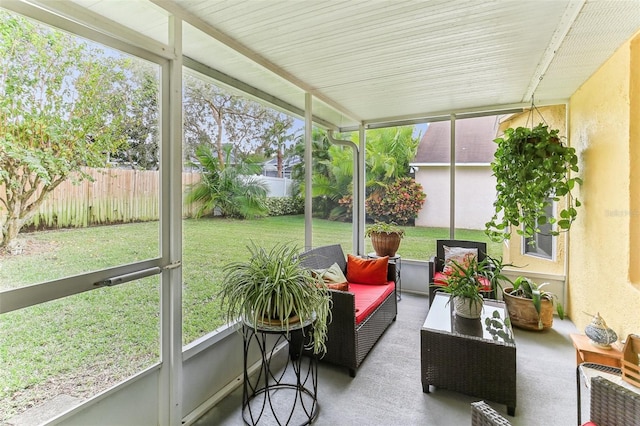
531,266
603,248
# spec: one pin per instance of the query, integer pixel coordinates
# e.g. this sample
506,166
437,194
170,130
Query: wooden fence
114,196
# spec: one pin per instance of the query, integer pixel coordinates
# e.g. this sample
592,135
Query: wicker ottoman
474,357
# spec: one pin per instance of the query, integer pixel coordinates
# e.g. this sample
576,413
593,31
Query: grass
85,343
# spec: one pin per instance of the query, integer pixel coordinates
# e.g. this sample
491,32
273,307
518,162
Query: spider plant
272,287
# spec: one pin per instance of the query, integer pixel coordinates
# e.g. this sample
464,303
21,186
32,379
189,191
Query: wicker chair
483,415
612,404
437,263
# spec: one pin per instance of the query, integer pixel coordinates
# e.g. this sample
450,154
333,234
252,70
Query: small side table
396,261
587,352
282,397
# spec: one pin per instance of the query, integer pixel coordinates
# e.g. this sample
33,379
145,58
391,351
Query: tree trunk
279,157
12,224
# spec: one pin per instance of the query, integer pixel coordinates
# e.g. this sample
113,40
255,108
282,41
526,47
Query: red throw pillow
367,271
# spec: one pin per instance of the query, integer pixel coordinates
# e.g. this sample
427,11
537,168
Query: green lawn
86,343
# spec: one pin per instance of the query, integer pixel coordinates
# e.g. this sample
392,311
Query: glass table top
493,325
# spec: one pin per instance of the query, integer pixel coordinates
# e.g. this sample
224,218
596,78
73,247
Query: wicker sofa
348,340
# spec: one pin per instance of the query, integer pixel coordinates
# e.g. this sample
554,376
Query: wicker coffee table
474,357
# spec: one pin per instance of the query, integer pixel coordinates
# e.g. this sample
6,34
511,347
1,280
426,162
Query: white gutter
357,196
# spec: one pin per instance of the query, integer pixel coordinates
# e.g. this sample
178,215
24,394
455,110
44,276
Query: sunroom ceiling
376,62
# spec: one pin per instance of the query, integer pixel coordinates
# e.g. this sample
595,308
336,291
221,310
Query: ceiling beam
566,22
434,116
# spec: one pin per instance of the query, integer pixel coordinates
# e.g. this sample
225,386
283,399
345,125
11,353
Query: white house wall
475,193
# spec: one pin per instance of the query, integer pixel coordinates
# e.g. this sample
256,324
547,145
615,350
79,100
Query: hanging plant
532,168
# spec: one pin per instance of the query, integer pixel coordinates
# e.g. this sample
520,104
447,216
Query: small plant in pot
385,238
531,167
470,281
464,286
530,306
273,288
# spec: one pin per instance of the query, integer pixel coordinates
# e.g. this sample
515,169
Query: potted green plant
273,288
470,281
385,238
464,286
531,167
530,306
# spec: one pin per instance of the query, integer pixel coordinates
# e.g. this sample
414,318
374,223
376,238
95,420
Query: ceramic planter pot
466,308
523,314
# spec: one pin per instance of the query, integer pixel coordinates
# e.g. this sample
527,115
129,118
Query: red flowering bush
400,202
346,203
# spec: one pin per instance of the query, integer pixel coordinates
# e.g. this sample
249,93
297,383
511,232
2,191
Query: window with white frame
541,244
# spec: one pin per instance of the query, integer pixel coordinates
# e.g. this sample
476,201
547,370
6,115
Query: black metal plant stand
276,395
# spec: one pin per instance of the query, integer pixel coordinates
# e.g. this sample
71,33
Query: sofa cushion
440,278
368,297
367,271
333,277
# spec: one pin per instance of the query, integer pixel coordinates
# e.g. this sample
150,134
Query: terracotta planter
523,314
385,244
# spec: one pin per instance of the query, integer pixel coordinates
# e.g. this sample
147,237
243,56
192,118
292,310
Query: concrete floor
388,391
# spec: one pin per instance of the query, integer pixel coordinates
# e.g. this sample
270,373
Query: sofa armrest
432,270
343,307
431,290
341,332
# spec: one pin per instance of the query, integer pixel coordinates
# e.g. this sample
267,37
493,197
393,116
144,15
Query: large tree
60,109
214,117
141,128
277,136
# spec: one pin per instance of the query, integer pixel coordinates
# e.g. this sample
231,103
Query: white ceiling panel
370,61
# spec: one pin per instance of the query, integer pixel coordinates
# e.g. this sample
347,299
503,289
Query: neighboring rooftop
474,141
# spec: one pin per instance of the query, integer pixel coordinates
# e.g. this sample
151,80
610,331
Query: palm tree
321,170
389,152
229,189
337,185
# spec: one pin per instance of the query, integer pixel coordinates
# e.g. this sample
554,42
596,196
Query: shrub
281,206
400,202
